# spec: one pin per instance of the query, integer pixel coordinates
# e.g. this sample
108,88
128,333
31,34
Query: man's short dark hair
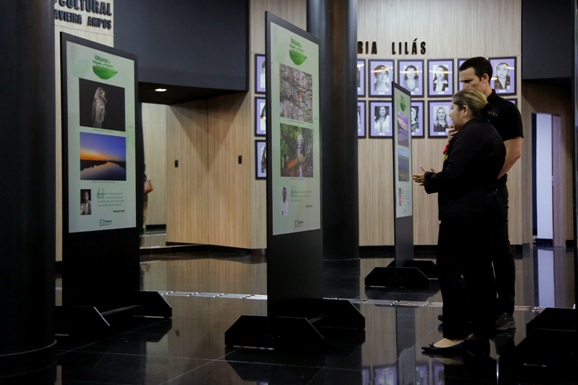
480,64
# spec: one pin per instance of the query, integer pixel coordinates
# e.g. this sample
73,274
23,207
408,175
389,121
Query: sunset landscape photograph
102,157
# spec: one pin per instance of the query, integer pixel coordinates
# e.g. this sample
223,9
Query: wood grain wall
187,192
154,117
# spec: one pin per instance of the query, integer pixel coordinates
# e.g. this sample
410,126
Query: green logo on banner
296,52
402,103
103,68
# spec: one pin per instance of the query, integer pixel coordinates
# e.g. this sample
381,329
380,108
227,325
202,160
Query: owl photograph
101,105
98,107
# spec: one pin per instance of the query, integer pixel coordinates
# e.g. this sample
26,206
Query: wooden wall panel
230,181
429,155
154,118
294,11
449,31
451,28
187,185
375,192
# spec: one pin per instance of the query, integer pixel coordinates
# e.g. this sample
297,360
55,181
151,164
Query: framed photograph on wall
361,76
361,121
380,119
260,159
439,118
440,77
504,78
416,115
260,116
411,76
260,82
460,85
381,74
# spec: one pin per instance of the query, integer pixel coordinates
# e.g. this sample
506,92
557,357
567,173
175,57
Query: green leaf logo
103,72
297,57
296,52
402,103
103,67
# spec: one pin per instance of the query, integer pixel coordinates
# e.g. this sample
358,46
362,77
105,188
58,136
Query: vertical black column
27,186
575,159
335,23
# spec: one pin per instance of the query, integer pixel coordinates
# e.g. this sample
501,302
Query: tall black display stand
101,262
404,271
297,315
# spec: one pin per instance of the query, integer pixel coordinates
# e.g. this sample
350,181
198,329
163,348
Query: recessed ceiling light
160,89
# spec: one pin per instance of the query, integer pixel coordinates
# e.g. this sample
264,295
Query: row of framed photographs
374,118
436,79
439,77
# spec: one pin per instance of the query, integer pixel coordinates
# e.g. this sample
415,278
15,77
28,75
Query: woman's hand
452,132
419,178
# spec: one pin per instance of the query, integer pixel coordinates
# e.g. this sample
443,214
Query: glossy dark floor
209,290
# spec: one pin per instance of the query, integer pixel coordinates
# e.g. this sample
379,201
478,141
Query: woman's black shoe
450,350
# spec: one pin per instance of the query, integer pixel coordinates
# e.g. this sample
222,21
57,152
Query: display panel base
551,342
300,324
392,276
428,268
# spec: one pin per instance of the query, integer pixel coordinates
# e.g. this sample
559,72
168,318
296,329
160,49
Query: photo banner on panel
99,136
402,152
295,132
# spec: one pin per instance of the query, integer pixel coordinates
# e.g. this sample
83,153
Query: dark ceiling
196,49
176,94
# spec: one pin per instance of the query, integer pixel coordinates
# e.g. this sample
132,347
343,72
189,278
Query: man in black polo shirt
476,73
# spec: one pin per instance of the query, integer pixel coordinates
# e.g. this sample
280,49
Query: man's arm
513,153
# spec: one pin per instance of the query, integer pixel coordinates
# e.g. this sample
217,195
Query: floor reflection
210,289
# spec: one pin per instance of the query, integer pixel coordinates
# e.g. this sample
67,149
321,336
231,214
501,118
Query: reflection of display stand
428,268
303,323
393,276
404,271
274,374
